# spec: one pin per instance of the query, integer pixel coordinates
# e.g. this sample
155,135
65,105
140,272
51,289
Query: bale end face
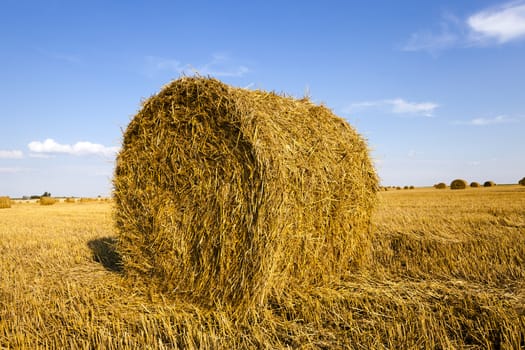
224,195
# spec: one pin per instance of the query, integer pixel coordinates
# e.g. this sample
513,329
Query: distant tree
46,194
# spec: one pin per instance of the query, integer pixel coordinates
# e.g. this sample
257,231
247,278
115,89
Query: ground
446,270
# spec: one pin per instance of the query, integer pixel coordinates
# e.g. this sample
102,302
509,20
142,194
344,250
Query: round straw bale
440,185
224,194
522,182
45,200
489,184
475,184
5,202
458,184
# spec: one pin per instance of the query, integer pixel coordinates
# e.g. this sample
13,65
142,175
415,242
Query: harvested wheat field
446,271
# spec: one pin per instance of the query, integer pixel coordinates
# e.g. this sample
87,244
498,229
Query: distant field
447,270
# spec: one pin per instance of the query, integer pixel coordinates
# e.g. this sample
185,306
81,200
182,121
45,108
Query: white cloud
11,154
41,155
496,25
500,119
396,106
503,23
50,146
220,65
10,170
401,106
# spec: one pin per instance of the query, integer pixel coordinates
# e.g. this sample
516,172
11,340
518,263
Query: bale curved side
489,184
5,202
45,200
458,184
224,194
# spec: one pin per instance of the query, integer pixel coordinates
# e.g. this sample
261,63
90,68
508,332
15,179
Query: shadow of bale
104,252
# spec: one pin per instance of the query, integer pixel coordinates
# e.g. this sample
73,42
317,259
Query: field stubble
447,270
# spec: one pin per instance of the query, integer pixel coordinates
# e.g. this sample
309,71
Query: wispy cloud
431,42
220,65
10,170
66,57
490,26
449,35
500,119
82,148
11,154
395,106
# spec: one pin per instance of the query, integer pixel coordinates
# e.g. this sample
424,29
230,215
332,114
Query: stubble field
446,271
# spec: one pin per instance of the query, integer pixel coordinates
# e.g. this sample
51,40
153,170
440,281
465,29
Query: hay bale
45,200
5,202
475,184
522,182
440,186
224,195
489,184
458,184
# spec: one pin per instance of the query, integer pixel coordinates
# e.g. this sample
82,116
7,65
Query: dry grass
248,191
447,271
5,202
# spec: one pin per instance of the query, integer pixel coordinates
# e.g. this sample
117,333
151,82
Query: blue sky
436,87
